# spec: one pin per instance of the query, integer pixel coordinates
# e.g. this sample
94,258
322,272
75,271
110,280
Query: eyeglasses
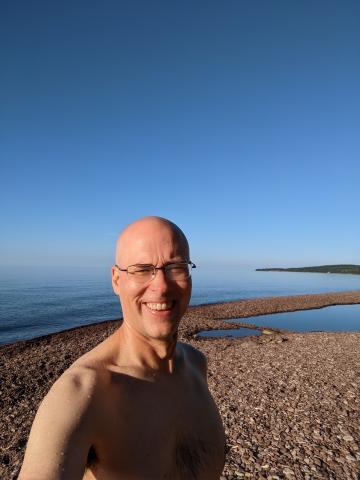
143,273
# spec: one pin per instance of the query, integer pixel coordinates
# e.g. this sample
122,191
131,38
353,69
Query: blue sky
238,120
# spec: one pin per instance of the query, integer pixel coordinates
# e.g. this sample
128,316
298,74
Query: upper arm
60,436
202,364
197,359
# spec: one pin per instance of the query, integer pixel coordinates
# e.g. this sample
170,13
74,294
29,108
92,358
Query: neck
151,355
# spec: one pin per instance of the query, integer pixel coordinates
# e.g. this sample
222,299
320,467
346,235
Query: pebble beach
290,402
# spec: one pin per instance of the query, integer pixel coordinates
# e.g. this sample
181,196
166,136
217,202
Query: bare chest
159,431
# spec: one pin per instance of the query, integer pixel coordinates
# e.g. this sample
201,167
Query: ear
115,278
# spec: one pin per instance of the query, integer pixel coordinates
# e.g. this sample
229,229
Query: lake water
37,301
340,318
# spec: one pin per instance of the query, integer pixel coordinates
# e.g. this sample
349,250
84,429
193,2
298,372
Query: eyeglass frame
192,265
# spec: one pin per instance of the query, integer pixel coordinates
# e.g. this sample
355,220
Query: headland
341,269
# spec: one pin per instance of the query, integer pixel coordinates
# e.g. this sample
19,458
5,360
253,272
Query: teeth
159,306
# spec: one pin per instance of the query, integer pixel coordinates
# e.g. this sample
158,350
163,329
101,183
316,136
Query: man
137,406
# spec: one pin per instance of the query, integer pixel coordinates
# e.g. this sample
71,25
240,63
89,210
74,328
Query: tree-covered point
352,269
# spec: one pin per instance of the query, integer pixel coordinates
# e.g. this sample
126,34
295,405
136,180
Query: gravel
290,402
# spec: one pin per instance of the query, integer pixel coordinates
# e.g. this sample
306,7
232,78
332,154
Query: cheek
129,294
184,292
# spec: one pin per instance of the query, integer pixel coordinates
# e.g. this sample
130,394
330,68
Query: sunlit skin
137,406
152,334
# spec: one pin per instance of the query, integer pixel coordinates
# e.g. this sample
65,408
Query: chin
165,335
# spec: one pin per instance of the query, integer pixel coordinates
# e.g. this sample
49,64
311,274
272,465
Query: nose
160,281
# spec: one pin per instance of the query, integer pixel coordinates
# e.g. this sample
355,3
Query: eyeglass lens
148,272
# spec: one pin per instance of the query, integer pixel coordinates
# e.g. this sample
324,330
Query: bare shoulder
78,382
69,399
63,428
196,358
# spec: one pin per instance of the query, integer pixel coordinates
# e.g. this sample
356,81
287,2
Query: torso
166,427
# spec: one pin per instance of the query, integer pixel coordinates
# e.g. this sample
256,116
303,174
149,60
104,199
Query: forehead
151,243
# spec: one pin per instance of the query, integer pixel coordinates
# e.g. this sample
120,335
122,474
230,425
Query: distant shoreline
339,269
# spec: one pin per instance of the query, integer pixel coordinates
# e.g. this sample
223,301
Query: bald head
142,231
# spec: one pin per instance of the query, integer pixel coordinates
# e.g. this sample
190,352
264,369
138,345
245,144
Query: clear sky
239,120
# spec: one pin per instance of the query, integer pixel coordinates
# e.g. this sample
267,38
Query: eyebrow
171,262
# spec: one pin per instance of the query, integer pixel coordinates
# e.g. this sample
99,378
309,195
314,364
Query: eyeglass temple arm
121,269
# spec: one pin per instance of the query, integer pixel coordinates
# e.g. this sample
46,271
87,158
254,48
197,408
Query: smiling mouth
159,306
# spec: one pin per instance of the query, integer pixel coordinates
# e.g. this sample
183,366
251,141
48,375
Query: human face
153,309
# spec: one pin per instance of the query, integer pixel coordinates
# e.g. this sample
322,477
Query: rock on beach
290,402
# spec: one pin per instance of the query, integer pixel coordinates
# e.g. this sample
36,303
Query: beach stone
281,403
350,458
288,472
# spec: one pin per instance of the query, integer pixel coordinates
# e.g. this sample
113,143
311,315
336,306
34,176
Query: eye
177,270
141,270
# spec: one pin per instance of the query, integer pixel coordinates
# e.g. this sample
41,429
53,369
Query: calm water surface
37,301
338,318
